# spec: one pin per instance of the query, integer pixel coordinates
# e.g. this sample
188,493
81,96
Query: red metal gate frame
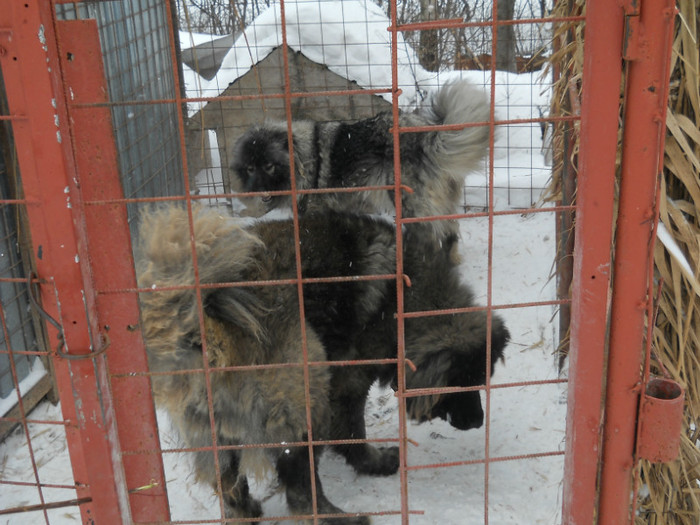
58,177
112,264
61,257
592,259
607,332
649,34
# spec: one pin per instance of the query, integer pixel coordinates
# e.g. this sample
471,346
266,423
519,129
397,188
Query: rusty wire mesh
174,141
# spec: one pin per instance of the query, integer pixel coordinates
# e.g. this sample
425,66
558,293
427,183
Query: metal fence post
648,51
592,258
55,212
111,265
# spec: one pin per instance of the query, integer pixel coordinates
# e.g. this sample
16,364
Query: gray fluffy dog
360,154
351,319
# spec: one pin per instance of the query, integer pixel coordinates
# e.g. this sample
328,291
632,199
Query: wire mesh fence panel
20,331
299,258
138,61
318,321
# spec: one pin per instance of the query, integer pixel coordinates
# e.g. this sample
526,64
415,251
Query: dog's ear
432,371
500,336
446,368
453,367
238,307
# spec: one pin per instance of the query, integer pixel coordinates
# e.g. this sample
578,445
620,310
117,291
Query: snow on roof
351,37
190,39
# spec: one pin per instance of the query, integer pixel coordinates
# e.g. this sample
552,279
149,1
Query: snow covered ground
524,420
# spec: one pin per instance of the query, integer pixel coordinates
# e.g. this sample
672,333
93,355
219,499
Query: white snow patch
36,372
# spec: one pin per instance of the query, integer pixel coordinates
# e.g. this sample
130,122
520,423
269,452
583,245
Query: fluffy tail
459,151
164,261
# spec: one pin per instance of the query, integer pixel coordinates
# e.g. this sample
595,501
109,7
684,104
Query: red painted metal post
592,258
24,103
30,65
112,264
642,153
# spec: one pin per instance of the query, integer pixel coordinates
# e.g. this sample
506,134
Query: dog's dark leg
348,398
234,485
294,473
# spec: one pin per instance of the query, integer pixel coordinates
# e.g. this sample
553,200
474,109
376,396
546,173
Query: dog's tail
462,150
164,264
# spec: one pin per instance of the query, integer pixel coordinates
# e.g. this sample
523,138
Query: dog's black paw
250,508
376,461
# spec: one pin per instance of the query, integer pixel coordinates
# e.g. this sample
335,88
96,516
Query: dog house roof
350,37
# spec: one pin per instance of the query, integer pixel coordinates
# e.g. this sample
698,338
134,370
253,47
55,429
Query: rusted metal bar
59,244
459,24
592,258
111,261
492,459
400,325
46,506
494,26
40,484
297,257
642,153
180,108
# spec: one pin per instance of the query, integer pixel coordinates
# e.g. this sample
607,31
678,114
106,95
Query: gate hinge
631,45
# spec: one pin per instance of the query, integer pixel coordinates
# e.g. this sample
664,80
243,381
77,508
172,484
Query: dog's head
261,162
457,362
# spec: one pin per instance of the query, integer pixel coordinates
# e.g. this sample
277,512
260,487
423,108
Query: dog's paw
250,508
377,461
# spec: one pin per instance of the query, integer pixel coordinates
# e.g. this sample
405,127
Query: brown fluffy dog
232,326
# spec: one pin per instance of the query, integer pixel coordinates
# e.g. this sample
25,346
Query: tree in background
505,37
428,47
437,49
218,17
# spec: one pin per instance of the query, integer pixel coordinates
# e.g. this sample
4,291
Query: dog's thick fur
353,320
360,154
242,326
354,323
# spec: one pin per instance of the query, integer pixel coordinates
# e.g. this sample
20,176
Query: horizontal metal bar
46,506
450,23
42,485
269,366
492,459
231,98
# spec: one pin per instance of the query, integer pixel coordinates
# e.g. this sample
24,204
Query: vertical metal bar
592,258
495,26
400,319
112,264
55,213
297,257
642,151
181,116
